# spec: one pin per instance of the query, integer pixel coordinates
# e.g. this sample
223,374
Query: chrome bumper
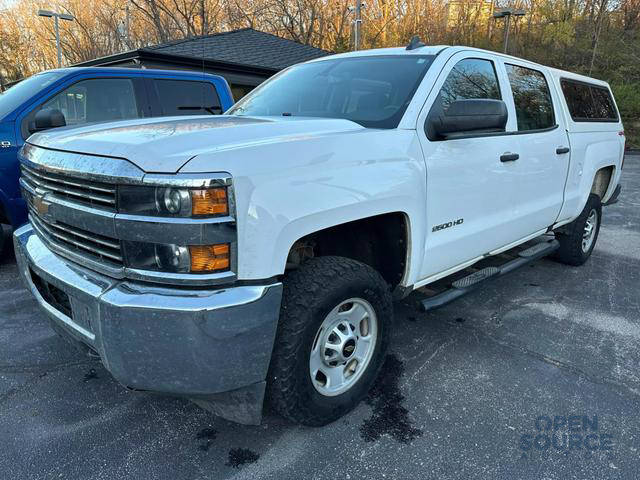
189,342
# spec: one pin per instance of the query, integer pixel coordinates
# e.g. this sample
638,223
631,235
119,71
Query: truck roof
125,70
437,49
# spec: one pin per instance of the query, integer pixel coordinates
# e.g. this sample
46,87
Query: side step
471,282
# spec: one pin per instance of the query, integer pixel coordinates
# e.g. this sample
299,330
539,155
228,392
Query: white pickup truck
255,255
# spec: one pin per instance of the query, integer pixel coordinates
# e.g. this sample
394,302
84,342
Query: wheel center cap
349,348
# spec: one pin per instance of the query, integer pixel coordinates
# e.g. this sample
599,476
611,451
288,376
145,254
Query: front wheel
578,238
332,338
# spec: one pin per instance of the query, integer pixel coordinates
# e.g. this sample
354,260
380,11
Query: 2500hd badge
442,226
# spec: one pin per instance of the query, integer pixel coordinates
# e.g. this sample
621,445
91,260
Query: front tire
578,238
332,338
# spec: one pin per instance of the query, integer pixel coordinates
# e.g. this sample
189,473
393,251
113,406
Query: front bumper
213,346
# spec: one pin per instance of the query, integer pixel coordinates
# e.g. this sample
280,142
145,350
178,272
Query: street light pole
357,23
56,17
506,13
56,22
507,20
128,25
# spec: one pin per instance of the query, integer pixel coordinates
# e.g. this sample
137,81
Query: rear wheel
578,239
332,337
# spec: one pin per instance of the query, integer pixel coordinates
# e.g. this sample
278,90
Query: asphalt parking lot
468,391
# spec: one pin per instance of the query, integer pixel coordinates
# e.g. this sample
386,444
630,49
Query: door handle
509,157
561,150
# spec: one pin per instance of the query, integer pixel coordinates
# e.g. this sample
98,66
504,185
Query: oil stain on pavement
389,416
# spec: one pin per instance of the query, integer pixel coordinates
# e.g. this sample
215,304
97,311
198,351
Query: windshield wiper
210,110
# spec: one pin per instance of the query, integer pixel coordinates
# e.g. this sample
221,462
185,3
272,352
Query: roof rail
415,43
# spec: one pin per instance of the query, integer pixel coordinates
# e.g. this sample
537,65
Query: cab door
472,199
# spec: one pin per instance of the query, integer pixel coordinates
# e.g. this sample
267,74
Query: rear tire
578,238
336,317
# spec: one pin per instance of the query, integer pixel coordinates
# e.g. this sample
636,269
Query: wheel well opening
380,242
602,181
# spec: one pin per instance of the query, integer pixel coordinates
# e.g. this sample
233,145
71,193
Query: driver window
471,78
96,100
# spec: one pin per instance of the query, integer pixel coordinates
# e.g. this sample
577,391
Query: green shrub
628,100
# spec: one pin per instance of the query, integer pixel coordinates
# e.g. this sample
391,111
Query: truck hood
164,145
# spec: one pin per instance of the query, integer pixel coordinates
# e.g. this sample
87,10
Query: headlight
173,201
172,258
178,258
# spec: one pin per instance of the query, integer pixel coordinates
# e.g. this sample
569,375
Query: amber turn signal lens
210,258
210,201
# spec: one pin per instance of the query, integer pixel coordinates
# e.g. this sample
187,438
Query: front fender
288,190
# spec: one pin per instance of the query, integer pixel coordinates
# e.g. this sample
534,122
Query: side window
96,100
470,78
589,103
186,97
532,98
603,104
578,98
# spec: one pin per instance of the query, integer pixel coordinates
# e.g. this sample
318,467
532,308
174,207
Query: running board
471,282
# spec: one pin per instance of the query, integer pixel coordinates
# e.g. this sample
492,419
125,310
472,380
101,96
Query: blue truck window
96,100
184,97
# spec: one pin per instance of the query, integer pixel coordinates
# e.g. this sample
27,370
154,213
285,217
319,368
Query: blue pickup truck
76,96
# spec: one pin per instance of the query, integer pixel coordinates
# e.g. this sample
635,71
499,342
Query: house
245,57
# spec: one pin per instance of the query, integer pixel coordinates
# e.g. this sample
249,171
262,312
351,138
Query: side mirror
468,116
46,119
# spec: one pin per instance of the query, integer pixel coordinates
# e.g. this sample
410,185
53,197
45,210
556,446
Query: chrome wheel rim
343,346
589,230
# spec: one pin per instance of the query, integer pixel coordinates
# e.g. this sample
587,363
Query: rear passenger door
542,145
170,97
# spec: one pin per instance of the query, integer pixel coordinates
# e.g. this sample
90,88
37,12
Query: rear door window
589,103
532,98
186,97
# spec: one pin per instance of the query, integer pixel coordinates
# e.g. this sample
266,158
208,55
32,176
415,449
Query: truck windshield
23,91
373,91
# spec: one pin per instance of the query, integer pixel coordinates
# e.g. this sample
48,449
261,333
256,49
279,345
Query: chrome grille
66,237
96,194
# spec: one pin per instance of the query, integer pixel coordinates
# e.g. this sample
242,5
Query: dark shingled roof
245,47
